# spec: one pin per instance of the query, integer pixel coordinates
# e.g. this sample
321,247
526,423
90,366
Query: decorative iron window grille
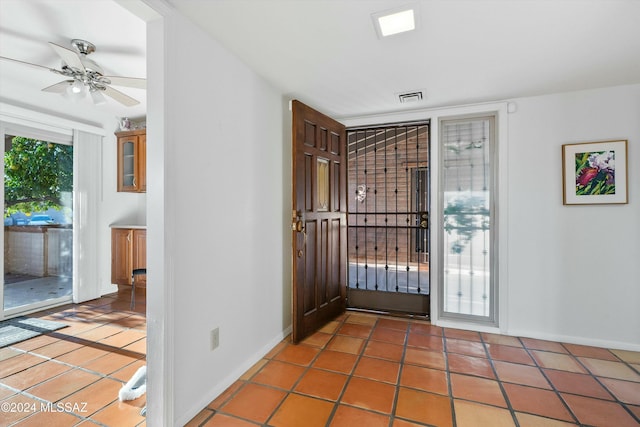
420,203
388,188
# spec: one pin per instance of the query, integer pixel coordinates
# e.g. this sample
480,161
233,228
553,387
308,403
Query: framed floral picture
594,173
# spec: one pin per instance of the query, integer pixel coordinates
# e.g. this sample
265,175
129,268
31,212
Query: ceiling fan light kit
97,97
77,87
85,75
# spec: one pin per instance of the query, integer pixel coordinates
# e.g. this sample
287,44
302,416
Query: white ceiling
326,52
26,27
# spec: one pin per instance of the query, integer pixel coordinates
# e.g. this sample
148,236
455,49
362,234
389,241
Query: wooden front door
319,218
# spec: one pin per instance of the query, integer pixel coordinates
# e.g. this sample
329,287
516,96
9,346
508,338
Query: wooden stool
134,273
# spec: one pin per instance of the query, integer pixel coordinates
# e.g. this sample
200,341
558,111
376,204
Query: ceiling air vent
410,97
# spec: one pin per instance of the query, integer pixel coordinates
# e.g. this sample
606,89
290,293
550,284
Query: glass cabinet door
128,164
132,161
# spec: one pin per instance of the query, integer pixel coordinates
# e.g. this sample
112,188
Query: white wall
114,207
567,273
224,257
574,271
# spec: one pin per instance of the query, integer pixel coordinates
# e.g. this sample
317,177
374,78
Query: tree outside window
37,176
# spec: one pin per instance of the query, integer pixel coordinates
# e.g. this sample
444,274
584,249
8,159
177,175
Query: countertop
138,226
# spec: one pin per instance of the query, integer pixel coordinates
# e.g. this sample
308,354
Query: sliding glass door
38,218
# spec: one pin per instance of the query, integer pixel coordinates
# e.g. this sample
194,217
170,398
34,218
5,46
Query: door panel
319,229
121,255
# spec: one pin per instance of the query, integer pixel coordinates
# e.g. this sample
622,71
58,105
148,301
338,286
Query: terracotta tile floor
368,370
360,370
72,376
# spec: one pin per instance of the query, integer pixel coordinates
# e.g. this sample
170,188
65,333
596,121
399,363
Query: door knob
297,222
424,220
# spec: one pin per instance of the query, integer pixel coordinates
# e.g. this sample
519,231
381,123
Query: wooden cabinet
132,161
128,252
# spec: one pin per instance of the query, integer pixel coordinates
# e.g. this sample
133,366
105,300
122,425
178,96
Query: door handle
297,221
297,225
424,220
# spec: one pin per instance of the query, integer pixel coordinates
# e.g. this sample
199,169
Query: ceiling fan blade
128,81
27,63
125,100
60,87
68,56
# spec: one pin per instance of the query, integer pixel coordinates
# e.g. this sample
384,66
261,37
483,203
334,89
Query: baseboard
466,326
108,289
569,339
232,377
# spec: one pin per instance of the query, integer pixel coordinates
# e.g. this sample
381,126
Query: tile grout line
353,368
590,374
273,387
26,393
399,379
359,356
392,414
401,363
72,366
101,376
293,386
405,346
445,356
597,379
46,402
350,376
499,381
61,362
553,387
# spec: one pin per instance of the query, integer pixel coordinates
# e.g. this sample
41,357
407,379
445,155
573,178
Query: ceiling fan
84,74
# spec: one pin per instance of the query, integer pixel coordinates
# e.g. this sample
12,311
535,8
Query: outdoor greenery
465,216
36,174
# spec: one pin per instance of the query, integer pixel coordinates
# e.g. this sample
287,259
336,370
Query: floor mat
22,328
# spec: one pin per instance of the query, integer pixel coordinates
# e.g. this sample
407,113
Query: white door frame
19,120
434,116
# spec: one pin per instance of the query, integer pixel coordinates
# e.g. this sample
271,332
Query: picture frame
595,173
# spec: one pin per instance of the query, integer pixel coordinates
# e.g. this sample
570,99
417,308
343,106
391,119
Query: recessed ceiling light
394,21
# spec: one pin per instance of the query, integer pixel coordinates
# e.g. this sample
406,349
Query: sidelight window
467,190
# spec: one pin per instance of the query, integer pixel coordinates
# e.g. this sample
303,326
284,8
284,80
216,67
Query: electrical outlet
215,338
